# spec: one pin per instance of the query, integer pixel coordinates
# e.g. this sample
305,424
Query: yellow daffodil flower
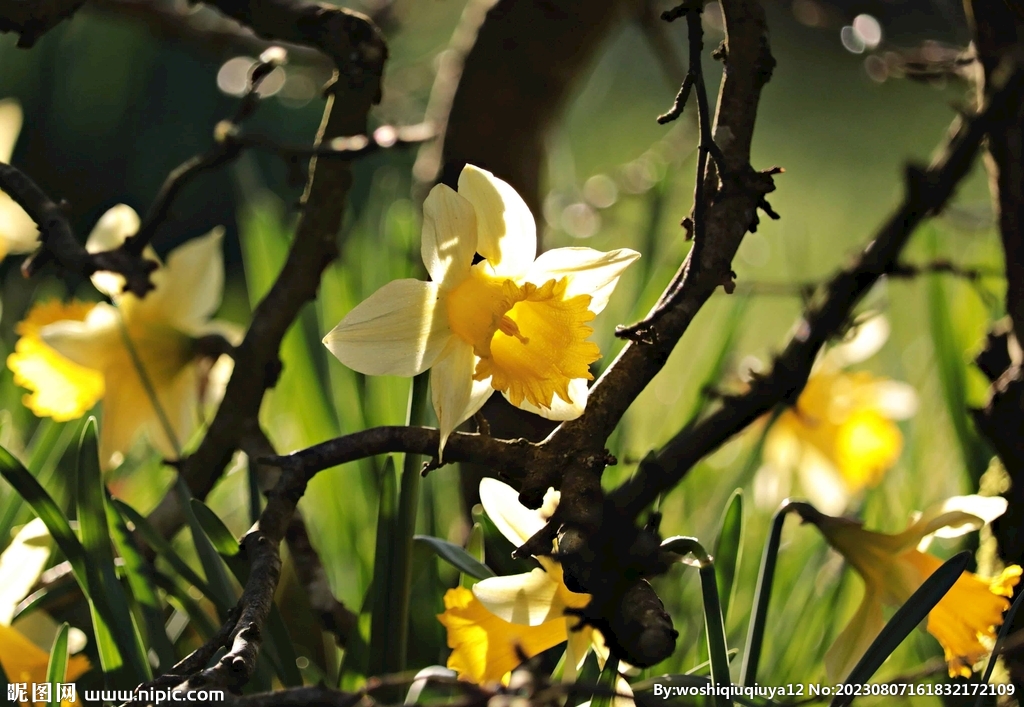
841,436
18,232
70,389
894,566
24,660
513,322
487,624
156,333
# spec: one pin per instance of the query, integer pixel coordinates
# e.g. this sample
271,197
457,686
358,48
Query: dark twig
926,193
59,242
707,180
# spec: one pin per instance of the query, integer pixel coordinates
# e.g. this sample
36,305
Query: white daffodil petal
451,387
115,225
822,483
895,399
20,566
527,599
507,233
189,288
90,343
10,125
956,516
18,232
561,410
589,271
449,236
868,338
576,649
512,519
854,640
399,330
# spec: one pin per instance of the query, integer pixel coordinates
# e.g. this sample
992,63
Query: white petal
10,125
507,233
514,520
868,338
895,399
452,387
20,566
189,288
855,639
561,410
822,483
529,599
590,272
576,650
18,232
110,232
449,236
90,343
955,516
399,330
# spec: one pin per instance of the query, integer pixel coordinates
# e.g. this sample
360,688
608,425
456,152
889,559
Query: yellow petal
22,660
61,388
113,227
587,271
507,233
968,614
399,330
449,236
530,598
20,566
512,519
453,392
866,446
854,640
484,647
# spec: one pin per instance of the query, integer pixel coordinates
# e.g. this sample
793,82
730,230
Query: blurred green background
110,109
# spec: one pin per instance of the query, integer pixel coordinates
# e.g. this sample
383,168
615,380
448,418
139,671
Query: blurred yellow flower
841,436
156,333
67,389
18,232
486,626
513,322
22,659
894,566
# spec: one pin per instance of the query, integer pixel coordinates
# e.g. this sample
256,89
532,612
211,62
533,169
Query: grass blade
161,547
762,596
58,665
714,625
117,636
906,618
728,549
383,559
456,556
139,574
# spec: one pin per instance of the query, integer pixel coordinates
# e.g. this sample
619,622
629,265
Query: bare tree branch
926,193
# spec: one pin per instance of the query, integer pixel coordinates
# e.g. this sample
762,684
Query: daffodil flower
18,232
894,566
23,659
501,615
156,333
513,322
841,436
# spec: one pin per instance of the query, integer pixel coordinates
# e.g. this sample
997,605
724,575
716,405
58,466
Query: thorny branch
926,193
